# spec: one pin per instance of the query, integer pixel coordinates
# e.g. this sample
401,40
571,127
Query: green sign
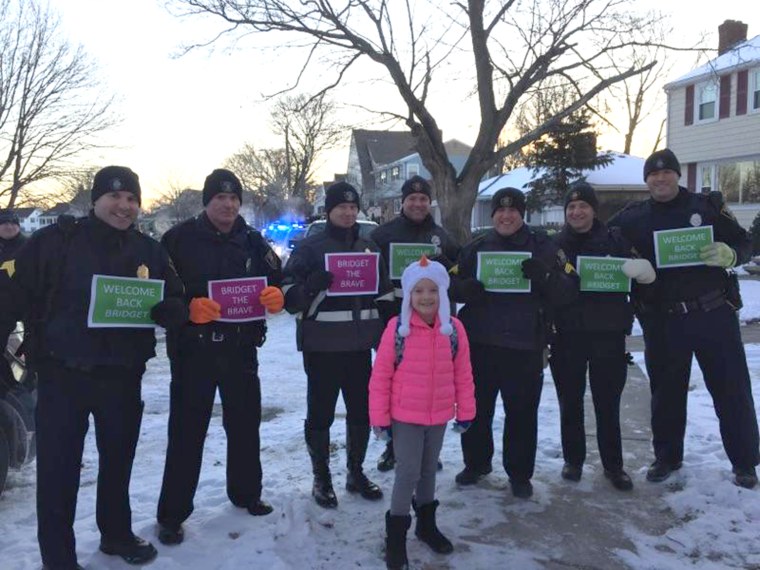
603,274
123,301
680,248
403,254
501,272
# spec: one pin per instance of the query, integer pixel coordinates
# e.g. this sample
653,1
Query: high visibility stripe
389,296
286,288
345,316
398,292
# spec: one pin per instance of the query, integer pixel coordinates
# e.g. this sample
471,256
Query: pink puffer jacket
428,387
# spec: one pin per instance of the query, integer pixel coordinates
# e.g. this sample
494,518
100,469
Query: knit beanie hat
8,216
115,179
582,191
425,269
661,160
508,198
416,185
219,181
339,193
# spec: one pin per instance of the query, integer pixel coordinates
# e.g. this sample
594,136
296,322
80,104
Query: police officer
207,354
590,335
414,225
11,239
692,311
508,334
83,371
336,335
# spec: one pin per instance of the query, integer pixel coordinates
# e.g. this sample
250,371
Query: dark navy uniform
207,356
508,334
83,371
8,250
403,230
692,311
590,334
336,335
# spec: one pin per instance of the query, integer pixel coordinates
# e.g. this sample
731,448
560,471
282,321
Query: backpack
399,343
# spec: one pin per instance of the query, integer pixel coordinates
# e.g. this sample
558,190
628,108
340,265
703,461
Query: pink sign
355,273
239,298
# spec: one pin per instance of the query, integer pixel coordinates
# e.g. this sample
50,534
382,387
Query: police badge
116,185
348,196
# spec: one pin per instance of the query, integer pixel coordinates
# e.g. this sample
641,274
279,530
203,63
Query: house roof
57,210
743,55
23,213
624,170
455,147
381,147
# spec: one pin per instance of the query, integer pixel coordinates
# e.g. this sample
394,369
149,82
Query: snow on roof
746,54
624,170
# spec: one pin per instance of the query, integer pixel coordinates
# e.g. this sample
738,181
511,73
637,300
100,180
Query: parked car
18,398
365,228
295,234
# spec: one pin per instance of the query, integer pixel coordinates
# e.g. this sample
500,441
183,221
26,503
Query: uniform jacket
640,220
51,291
8,251
429,387
515,320
592,311
403,230
201,253
332,324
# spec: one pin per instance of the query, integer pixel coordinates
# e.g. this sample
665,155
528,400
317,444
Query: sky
698,519
183,115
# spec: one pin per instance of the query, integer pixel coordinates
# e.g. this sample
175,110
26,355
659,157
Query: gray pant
417,449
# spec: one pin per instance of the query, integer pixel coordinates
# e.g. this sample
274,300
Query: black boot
318,444
133,550
427,530
357,438
387,460
395,541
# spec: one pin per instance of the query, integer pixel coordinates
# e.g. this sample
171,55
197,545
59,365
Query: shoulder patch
9,267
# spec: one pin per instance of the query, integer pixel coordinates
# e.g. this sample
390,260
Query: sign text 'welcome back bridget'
680,247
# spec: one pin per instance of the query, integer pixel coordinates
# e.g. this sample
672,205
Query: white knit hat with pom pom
425,269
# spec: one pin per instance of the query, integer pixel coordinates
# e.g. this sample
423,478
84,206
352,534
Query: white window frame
710,167
753,88
699,90
412,169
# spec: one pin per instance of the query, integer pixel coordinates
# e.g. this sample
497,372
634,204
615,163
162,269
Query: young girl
421,379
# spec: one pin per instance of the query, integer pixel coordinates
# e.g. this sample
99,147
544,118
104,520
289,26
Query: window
754,90
383,176
412,170
395,173
707,97
740,181
705,178
397,205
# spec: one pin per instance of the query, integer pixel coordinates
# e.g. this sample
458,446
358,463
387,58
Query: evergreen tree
754,231
561,157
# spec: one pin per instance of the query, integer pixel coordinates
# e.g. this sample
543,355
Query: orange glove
204,310
272,298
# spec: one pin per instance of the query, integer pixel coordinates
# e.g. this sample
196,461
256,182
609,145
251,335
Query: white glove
640,270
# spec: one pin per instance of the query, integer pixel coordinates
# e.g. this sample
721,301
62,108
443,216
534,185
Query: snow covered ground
698,519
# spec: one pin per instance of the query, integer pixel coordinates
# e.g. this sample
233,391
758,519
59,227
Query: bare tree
77,189
308,127
51,108
181,203
506,47
262,172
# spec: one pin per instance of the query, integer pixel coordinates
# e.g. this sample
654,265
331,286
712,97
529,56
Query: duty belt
704,303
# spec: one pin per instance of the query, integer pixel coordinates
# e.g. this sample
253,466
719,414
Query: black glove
170,313
535,270
317,281
443,260
471,290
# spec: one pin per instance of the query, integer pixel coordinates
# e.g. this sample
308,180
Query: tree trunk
456,203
